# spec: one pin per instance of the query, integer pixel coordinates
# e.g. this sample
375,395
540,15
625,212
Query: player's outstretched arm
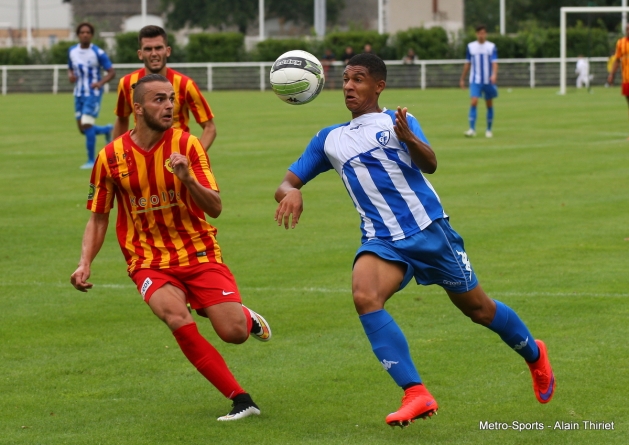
466,69
421,154
110,75
494,77
121,126
612,73
209,134
288,195
209,200
93,239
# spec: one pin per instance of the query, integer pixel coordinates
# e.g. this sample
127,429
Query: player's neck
161,72
145,137
85,45
375,109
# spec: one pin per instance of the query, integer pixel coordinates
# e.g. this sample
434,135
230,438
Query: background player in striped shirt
482,64
85,61
163,185
154,52
380,156
622,59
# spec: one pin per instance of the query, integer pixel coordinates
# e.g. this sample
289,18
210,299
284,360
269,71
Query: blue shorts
487,90
435,255
89,105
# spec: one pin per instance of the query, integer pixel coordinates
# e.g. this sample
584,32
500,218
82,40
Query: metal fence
255,75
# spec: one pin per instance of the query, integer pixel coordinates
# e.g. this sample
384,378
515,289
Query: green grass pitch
543,208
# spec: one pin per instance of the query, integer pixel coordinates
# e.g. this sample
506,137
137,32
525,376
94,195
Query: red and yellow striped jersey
622,54
188,98
159,225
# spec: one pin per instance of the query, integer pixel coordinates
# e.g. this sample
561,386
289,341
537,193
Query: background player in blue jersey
380,156
85,61
482,57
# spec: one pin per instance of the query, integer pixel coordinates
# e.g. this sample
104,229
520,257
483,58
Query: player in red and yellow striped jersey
154,52
161,180
622,59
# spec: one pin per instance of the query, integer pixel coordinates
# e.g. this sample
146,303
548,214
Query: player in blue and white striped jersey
85,61
381,157
482,58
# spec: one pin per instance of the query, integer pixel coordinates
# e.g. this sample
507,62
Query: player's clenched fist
180,166
79,279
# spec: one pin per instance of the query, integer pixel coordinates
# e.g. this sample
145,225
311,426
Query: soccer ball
297,77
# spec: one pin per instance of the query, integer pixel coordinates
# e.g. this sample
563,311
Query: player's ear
137,109
168,51
140,55
380,86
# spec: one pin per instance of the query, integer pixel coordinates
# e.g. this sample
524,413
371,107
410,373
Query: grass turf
542,208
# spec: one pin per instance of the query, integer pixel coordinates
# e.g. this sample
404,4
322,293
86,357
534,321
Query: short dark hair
151,31
82,24
374,64
481,27
138,88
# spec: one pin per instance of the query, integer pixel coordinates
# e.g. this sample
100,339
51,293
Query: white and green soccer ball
297,77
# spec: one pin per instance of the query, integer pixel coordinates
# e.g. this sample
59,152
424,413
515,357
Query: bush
14,56
270,49
338,41
217,47
542,43
58,53
126,48
427,43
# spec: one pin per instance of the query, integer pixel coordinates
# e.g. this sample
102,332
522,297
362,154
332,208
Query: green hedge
217,47
545,43
270,49
427,43
126,48
338,41
14,56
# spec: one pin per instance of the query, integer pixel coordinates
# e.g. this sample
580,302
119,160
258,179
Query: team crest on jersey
168,166
383,137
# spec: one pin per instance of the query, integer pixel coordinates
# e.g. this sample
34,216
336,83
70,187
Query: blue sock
390,346
472,117
490,117
514,332
101,129
90,143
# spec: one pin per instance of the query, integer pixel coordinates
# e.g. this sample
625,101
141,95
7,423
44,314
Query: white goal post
562,39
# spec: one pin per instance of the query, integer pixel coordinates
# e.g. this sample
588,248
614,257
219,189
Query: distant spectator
367,48
410,58
327,60
348,54
328,57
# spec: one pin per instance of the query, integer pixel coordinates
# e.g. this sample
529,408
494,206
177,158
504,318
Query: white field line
329,290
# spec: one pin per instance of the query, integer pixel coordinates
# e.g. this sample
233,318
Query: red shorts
204,284
625,89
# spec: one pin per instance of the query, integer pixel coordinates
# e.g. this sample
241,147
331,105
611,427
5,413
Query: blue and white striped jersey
86,64
389,191
481,56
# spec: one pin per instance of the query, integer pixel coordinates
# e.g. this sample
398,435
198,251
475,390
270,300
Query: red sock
248,318
207,360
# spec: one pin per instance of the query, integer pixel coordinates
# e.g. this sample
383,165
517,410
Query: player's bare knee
235,334
365,301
